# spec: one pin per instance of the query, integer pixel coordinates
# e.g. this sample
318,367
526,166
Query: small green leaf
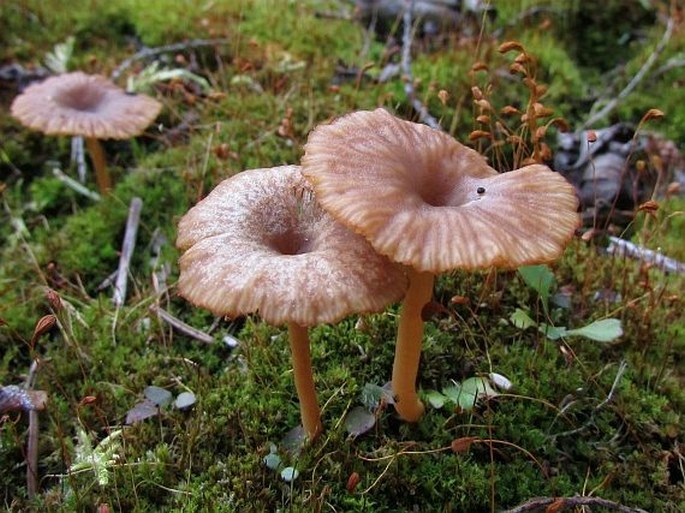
605,330
184,400
553,332
289,474
521,319
358,421
159,396
272,460
540,279
467,393
436,399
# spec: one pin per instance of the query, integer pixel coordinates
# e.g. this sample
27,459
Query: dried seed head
640,165
53,299
545,152
517,68
477,93
508,46
479,66
508,110
479,134
560,123
539,133
650,206
541,111
652,114
484,105
444,96
522,58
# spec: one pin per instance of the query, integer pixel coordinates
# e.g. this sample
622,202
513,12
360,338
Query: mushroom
259,242
425,200
85,105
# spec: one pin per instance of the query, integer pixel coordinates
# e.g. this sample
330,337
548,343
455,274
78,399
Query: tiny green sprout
99,459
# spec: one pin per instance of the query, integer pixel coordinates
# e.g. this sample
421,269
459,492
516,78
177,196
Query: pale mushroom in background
425,200
86,105
260,243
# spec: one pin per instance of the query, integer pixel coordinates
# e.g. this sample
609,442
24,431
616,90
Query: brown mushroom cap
86,105
259,242
425,200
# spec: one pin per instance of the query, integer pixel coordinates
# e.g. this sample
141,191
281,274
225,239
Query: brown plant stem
304,380
408,349
97,155
564,503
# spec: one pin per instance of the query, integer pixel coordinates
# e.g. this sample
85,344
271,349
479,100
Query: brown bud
53,299
483,119
43,325
89,399
460,300
591,136
463,444
352,482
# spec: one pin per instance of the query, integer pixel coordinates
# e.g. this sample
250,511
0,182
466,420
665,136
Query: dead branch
563,503
127,251
622,248
181,326
407,36
611,105
146,53
74,185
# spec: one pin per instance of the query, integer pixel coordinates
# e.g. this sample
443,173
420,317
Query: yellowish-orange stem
408,349
304,380
97,156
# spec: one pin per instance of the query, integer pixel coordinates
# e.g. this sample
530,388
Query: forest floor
141,416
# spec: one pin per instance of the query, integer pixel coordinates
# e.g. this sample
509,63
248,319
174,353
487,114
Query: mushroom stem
97,155
304,381
408,350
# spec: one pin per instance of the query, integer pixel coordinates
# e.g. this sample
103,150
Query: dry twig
146,53
611,105
563,503
424,115
127,251
181,326
623,248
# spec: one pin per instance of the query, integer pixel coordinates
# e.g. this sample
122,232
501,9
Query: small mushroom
261,243
86,105
425,200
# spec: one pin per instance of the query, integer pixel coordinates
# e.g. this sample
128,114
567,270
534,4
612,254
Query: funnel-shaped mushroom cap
260,243
425,200
86,105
